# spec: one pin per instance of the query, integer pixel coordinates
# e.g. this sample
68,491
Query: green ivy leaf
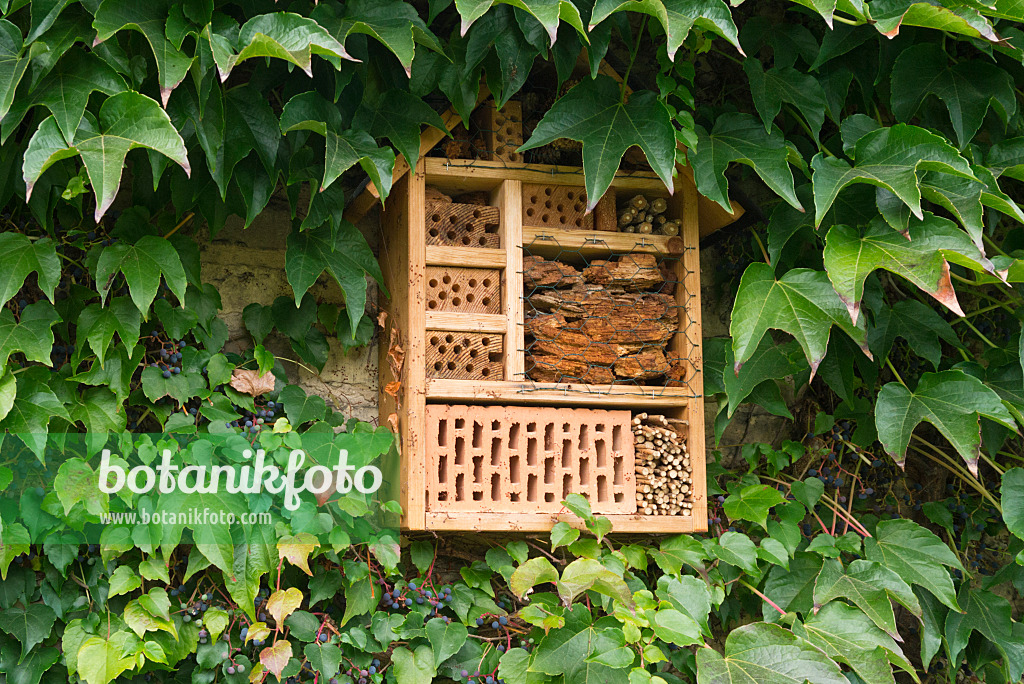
916,555
343,148
677,17
585,574
547,12
563,534
869,585
777,85
32,668
565,651
149,19
126,121
281,35
1011,490
921,257
100,660
801,303
446,638
13,63
8,391
990,615
968,88
97,325
741,138
35,405
142,265
890,15
413,667
535,571
593,113
324,658
344,254
675,627
952,401
918,324
397,116
394,23
32,335
65,91
766,654
99,411
23,256
888,158
848,636
29,624
301,408
123,581
736,548
752,503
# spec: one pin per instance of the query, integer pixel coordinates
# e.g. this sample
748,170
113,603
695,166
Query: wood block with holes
462,225
465,356
464,290
502,130
519,459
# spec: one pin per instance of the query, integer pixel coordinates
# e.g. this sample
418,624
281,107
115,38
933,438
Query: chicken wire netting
595,316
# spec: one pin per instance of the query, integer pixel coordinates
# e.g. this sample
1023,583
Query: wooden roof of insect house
531,350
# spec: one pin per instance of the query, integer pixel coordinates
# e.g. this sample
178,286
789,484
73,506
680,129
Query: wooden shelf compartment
557,394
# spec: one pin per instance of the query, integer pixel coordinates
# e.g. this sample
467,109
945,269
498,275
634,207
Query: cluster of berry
361,675
418,594
252,421
168,354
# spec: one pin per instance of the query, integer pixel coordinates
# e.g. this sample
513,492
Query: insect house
532,349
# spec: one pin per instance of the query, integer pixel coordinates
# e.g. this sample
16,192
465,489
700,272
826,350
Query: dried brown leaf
251,383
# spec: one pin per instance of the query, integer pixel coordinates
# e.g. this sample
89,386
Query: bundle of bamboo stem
663,472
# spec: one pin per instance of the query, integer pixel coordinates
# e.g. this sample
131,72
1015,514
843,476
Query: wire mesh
619,319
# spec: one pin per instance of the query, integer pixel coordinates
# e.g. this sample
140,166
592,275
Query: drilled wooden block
462,225
464,290
465,356
502,130
522,459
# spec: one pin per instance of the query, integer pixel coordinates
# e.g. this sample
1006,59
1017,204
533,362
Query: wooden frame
405,258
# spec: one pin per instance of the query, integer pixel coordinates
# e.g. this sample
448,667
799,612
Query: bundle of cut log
663,474
601,325
647,216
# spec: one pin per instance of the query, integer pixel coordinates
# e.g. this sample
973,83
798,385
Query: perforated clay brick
462,225
464,290
527,459
465,356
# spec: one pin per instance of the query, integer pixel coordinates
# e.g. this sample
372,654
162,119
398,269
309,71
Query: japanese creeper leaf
142,265
394,23
741,138
343,149
593,114
889,158
916,555
869,586
777,85
991,615
150,19
23,256
801,303
547,12
890,15
97,325
1012,498
762,653
31,335
847,636
345,255
65,91
13,63
126,121
952,401
922,257
30,624
968,88
677,17
101,660
282,35
397,116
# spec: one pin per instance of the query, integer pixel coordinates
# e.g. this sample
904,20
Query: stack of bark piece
664,482
607,323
